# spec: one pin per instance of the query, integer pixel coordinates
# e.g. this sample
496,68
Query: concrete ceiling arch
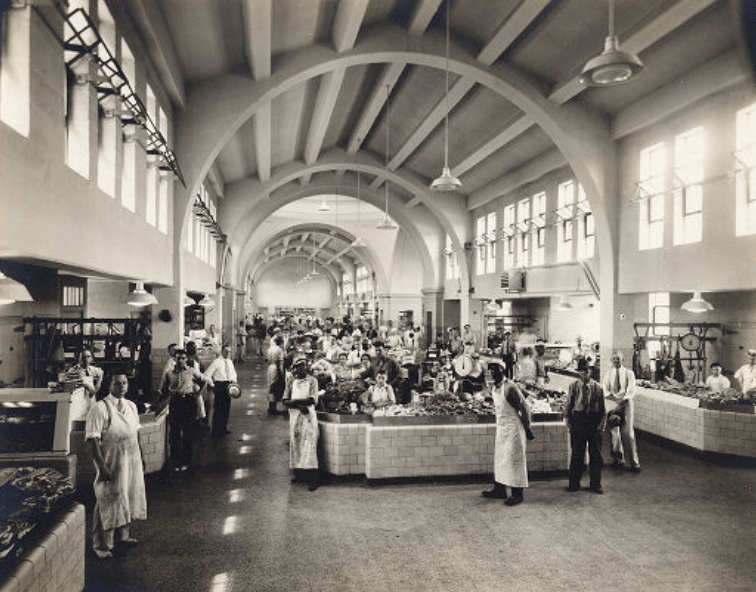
418,223
328,271
363,254
218,108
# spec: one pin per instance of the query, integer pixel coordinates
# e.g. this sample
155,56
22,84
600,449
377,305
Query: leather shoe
494,494
573,488
313,486
513,501
635,469
598,489
617,465
128,541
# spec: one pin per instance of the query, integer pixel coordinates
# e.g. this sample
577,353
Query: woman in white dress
113,430
300,397
512,428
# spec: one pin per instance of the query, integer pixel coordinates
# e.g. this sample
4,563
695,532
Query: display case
33,422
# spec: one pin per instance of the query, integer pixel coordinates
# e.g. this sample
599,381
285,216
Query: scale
691,346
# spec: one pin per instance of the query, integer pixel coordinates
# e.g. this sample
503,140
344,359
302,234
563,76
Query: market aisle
236,523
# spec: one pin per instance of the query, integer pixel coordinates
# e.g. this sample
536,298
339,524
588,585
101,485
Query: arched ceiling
213,44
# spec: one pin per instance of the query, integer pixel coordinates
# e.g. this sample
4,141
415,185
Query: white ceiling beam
298,249
714,76
340,254
258,27
389,76
512,28
286,240
671,19
347,23
159,44
498,141
283,252
305,236
529,172
421,18
263,141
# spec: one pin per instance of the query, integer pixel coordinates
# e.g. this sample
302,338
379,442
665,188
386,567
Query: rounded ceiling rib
215,111
364,254
419,225
262,268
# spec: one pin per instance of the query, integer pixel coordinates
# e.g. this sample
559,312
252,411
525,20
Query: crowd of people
393,362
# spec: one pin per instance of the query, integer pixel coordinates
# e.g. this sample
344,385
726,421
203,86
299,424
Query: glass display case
33,422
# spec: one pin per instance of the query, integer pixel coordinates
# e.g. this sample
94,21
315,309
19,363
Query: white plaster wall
276,287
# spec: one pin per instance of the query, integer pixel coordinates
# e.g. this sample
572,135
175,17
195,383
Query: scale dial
690,342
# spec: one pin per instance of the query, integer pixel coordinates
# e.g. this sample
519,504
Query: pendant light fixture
387,223
324,207
207,302
697,304
563,304
141,297
189,301
446,182
12,291
612,66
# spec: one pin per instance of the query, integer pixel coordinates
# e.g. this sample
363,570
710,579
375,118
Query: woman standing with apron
301,396
512,428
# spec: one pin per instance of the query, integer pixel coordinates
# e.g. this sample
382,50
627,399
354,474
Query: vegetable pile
701,392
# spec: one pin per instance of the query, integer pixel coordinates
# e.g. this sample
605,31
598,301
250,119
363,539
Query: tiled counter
682,420
56,563
396,451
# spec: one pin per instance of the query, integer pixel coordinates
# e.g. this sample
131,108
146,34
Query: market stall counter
691,416
409,447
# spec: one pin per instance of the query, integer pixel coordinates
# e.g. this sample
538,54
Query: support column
170,298
432,303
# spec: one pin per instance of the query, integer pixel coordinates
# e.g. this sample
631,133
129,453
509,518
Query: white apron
510,464
122,500
303,430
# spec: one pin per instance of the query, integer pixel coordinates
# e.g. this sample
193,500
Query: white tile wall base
680,419
56,563
433,450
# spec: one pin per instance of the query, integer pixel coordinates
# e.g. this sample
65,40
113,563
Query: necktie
228,370
616,386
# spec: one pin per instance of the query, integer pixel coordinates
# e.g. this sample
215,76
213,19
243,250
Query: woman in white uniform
512,428
113,430
300,397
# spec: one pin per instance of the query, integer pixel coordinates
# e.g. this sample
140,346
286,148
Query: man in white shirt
221,373
716,382
619,386
746,375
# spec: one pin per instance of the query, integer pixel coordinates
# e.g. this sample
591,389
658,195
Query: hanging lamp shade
189,301
446,182
141,297
386,223
358,242
563,304
12,291
324,207
697,304
613,65
206,301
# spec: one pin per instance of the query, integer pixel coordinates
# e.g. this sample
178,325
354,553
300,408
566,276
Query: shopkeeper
380,394
89,379
746,375
716,381
383,363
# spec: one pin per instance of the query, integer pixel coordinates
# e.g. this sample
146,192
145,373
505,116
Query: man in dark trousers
585,415
221,373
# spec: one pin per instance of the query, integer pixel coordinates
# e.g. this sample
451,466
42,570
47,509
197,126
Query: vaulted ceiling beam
671,19
507,33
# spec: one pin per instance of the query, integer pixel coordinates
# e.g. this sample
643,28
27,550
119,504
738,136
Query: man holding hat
585,416
300,397
746,375
221,373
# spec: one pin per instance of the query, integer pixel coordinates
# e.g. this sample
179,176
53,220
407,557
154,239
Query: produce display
343,396
28,496
702,392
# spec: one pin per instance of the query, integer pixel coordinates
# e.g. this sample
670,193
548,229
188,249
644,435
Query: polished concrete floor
235,522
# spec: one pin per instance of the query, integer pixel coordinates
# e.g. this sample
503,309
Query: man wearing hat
585,416
746,375
300,397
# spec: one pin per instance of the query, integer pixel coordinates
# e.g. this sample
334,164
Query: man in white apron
89,380
300,397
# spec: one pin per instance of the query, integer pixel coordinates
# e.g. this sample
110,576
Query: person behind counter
380,394
746,374
619,386
182,385
113,432
221,373
585,416
89,377
512,429
382,362
300,397
542,372
716,381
